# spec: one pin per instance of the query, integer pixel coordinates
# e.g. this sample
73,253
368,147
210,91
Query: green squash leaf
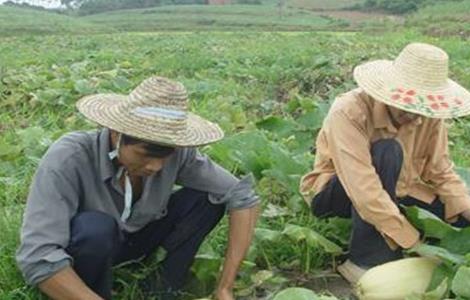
430,224
460,284
312,238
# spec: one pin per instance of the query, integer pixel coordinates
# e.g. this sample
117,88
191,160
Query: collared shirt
76,174
354,122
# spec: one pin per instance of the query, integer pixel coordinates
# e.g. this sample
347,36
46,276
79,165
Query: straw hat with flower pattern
155,111
416,81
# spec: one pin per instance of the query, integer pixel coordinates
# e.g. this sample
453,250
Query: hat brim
107,111
380,80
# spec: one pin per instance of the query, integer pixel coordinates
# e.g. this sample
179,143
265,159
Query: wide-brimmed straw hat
416,81
155,111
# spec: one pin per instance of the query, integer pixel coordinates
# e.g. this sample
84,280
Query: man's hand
466,214
224,294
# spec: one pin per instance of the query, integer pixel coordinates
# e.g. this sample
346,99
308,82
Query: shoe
350,271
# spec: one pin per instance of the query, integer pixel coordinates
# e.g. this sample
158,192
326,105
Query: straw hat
416,81
155,111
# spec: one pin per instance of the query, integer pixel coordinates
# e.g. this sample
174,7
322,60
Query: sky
45,3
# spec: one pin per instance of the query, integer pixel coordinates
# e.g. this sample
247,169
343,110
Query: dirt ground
328,282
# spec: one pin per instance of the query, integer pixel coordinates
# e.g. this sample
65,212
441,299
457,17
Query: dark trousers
97,243
367,246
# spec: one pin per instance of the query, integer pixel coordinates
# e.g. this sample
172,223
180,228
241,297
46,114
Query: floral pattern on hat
430,103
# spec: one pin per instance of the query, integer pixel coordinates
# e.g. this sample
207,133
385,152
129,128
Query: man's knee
94,234
388,152
387,146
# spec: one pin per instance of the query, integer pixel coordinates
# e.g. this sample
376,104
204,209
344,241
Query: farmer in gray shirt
105,197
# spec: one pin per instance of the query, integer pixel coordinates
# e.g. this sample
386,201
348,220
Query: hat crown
159,93
155,111
423,65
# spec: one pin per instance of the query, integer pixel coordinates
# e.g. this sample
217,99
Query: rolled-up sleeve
52,201
439,171
350,151
199,172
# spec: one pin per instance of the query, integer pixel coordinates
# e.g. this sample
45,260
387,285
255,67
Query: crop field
203,17
323,4
269,91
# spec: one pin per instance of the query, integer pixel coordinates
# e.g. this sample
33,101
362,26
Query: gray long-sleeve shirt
77,175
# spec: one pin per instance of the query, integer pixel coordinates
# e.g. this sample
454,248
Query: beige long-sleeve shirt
354,122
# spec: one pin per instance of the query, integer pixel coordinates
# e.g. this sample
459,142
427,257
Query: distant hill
450,18
295,15
16,21
217,17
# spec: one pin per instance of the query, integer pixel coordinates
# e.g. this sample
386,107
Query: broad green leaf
461,282
430,224
274,211
261,276
83,87
122,84
312,120
161,254
438,293
441,272
312,238
206,268
267,235
34,141
296,293
280,126
434,251
457,242
8,149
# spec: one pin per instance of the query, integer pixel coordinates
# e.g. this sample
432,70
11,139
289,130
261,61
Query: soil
326,282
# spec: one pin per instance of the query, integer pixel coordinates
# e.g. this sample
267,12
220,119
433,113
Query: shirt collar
107,168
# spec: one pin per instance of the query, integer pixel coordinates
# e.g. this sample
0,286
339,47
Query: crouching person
104,197
383,145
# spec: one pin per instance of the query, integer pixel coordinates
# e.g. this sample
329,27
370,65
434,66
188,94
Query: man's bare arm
242,224
66,285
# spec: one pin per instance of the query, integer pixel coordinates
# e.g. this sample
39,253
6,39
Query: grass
444,19
15,21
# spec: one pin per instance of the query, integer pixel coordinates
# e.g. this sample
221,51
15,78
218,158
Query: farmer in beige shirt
383,144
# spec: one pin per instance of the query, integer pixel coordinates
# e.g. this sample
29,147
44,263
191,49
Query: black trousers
367,246
97,243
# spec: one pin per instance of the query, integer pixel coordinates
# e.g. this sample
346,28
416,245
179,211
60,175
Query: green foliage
452,248
299,294
99,6
16,21
399,6
443,19
313,239
432,226
460,286
394,6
